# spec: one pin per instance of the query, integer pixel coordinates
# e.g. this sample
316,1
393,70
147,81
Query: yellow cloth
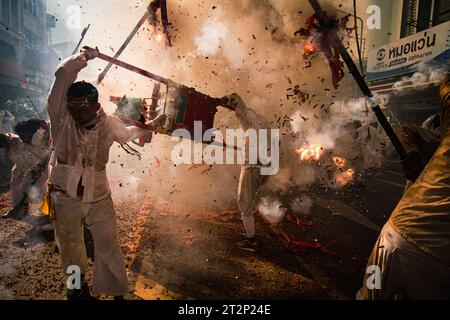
423,214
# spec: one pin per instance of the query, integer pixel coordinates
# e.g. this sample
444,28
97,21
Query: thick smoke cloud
219,47
426,76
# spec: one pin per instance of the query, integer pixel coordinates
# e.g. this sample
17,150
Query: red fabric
326,43
198,107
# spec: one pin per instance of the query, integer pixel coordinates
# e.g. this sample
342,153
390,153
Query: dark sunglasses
81,104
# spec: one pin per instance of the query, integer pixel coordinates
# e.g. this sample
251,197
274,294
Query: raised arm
65,76
241,110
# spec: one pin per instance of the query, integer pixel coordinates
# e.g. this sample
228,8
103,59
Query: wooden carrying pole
223,102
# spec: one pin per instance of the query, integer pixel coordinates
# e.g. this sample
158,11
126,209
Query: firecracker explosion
255,149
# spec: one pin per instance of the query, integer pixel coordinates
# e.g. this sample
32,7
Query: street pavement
192,253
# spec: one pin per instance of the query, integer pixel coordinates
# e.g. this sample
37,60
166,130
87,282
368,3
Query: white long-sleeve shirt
249,119
80,153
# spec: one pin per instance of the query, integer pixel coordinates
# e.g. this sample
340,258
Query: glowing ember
310,152
345,177
350,173
309,48
339,162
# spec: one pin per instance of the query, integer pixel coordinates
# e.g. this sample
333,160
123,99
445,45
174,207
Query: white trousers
110,275
250,182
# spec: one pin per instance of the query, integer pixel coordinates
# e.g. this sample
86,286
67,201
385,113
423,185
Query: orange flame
309,48
339,162
310,152
345,177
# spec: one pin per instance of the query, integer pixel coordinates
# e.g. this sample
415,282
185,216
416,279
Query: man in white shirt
250,180
29,151
82,134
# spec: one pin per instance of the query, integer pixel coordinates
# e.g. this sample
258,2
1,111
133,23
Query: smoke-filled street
224,150
192,253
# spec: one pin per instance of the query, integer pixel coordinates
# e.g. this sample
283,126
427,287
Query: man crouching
82,134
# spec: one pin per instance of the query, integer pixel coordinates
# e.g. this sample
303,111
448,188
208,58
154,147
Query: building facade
414,37
406,56
25,55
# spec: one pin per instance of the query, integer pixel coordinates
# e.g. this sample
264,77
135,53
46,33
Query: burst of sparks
310,152
315,151
345,177
339,162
